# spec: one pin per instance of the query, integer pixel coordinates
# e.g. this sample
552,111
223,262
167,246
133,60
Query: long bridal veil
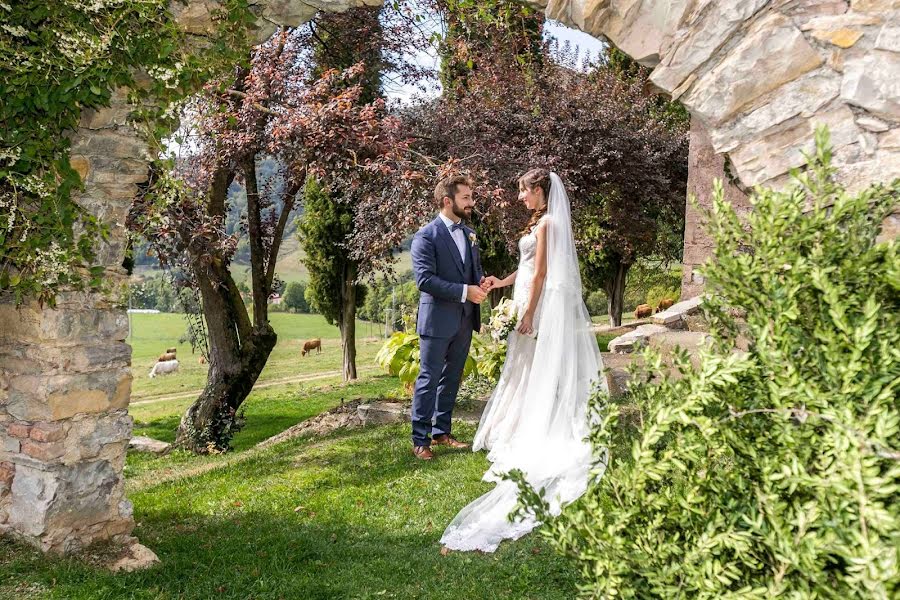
549,442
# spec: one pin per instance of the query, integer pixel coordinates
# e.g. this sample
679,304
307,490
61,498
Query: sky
586,43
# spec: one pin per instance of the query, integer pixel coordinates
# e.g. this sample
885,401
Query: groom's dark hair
448,187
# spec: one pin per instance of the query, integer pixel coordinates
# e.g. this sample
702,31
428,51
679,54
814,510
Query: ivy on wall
57,59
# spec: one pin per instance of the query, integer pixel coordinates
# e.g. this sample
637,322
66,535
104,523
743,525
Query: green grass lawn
269,410
351,515
151,334
603,340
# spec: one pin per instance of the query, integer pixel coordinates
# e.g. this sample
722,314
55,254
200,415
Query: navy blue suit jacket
440,276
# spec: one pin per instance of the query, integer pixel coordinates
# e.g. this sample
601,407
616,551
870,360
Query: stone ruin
757,76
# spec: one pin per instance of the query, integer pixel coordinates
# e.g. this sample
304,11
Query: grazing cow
309,345
166,356
201,360
164,368
643,311
171,350
664,304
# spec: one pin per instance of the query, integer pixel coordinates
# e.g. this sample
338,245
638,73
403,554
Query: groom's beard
462,213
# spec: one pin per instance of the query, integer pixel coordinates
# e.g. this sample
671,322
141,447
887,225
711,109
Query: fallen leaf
445,550
299,508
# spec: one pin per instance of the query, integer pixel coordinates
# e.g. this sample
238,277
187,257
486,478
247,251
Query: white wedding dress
537,419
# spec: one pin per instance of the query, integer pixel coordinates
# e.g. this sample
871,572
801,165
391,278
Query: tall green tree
340,41
295,297
332,290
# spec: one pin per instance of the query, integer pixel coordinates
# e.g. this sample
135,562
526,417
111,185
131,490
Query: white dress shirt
459,236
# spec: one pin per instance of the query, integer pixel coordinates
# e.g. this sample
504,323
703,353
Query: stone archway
757,75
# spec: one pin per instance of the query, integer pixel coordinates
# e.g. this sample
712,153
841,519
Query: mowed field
151,334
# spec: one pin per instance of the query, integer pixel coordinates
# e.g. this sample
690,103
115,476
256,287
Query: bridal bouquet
504,318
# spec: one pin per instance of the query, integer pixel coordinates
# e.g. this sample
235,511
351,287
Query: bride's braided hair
530,180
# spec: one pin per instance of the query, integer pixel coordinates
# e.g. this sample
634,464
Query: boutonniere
472,238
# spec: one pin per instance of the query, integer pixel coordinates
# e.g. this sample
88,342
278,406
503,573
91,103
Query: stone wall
65,380
64,423
704,166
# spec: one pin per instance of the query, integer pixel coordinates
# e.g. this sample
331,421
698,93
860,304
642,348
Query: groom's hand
475,294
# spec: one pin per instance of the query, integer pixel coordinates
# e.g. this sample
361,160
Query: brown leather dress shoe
448,440
423,452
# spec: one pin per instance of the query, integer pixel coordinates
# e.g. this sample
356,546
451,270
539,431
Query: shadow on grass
262,556
352,515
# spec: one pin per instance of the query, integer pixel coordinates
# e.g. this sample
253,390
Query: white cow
164,368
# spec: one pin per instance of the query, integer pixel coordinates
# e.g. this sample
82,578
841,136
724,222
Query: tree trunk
237,354
615,292
348,323
212,420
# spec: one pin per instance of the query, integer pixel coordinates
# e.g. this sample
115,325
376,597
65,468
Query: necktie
455,227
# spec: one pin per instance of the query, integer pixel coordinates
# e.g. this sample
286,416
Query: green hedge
773,472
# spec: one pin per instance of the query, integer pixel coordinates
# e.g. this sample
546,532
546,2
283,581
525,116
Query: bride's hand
526,324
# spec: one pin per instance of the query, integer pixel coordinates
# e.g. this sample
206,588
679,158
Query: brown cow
309,345
166,356
664,304
201,360
643,311
171,350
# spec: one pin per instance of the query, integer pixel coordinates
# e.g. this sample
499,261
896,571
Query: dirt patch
345,416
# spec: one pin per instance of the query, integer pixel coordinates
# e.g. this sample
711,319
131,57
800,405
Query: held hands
478,293
490,282
475,294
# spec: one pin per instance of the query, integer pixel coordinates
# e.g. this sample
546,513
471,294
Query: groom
448,274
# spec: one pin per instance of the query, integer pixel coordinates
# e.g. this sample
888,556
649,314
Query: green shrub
773,472
399,356
648,279
490,357
596,303
473,390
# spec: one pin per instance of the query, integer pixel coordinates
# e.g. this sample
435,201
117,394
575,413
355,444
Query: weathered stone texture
761,74
704,166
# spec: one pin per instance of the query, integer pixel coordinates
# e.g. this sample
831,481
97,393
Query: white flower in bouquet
504,317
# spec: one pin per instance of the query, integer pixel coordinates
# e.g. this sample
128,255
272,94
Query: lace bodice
525,274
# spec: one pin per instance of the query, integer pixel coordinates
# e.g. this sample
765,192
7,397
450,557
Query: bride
536,420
